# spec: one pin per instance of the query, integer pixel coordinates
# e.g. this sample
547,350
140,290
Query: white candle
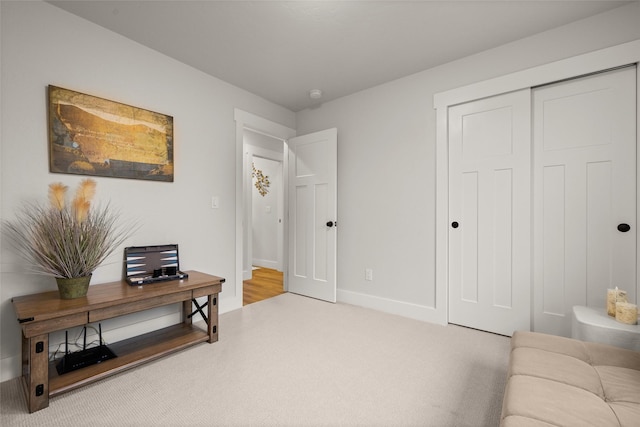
614,296
627,313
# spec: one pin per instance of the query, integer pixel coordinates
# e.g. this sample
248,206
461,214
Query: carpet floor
296,361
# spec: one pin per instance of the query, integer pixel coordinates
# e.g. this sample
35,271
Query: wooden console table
40,314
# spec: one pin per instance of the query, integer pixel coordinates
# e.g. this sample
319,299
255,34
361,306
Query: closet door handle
623,228
455,224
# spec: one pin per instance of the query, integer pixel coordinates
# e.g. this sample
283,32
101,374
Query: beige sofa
556,381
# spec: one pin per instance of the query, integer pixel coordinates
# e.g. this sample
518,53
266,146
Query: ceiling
280,50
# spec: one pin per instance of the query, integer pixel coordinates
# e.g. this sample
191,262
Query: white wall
44,45
386,166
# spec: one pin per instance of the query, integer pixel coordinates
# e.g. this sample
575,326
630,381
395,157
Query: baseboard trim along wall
400,308
265,263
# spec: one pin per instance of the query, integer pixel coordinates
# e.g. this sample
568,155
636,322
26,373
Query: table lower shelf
130,353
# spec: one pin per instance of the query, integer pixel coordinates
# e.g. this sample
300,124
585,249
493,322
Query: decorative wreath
262,180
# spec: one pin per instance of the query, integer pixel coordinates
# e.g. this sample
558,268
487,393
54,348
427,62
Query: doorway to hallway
309,162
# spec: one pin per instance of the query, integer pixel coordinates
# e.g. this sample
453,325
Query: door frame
245,120
593,62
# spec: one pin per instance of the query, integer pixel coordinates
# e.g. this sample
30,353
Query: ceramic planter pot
74,287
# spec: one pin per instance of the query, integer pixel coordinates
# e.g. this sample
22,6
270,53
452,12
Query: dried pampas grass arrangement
67,240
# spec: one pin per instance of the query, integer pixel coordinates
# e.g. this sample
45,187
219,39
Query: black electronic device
149,264
85,357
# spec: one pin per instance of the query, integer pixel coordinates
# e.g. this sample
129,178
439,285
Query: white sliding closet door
490,213
584,139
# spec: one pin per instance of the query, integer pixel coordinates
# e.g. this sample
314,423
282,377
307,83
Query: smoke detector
315,94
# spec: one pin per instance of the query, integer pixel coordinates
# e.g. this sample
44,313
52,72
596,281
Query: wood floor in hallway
266,283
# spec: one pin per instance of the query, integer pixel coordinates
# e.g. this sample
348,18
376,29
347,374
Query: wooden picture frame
95,136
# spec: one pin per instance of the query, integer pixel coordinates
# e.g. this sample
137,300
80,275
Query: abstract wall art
94,136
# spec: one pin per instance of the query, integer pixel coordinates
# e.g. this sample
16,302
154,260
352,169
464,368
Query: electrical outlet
368,274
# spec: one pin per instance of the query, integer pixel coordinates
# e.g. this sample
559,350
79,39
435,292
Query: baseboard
266,263
400,308
10,368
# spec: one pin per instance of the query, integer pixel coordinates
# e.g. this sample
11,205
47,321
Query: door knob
331,224
455,224
623,228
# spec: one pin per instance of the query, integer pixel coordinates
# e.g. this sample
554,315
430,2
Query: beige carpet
296,361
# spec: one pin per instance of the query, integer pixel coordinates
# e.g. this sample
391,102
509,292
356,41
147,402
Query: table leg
186,312
212,314
35,371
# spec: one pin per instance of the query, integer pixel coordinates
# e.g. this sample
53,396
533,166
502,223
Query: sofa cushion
558,367
628,413
606,355
556,403
565,382
620,384
518,421
553,343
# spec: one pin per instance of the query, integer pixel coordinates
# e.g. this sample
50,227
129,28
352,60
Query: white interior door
489,211
584,187
313,214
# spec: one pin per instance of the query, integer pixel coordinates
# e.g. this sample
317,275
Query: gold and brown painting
94,136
